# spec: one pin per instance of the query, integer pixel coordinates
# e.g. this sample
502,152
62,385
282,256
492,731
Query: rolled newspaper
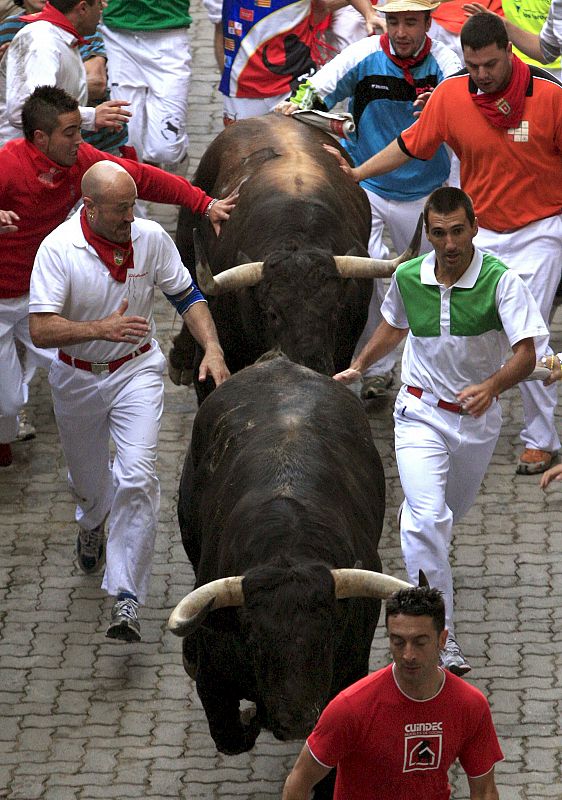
340,125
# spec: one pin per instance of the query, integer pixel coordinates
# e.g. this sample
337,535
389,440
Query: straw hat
394,6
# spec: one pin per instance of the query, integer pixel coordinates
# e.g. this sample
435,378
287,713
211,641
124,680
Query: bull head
224,592
250,274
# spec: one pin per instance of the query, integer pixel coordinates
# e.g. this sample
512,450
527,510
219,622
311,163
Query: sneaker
26,430
5,455
90,549
124,623
452,658
531,461
376,386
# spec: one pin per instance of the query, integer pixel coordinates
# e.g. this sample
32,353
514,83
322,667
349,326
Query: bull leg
230,733
181,357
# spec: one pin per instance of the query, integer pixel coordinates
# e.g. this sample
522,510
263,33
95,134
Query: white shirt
446,364
41,54
69,279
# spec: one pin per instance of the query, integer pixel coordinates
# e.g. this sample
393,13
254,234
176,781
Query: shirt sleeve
338,78
392,308
481,750
551,33
153,184
422,139
172,277
334,734
49,285
519,313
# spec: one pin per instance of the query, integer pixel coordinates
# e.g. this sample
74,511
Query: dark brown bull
296,211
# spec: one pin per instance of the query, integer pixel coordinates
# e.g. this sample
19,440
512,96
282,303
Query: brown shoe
5,455
531,461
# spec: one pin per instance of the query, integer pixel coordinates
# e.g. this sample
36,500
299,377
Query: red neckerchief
116,257
505,109
405,63
55,17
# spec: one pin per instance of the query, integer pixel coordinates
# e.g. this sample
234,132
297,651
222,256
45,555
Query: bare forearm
529,43
384,161
382,342
201,326
515,369
51,330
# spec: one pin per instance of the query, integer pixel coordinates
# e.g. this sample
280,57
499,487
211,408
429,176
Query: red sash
505,109
405,63
118,258
55,17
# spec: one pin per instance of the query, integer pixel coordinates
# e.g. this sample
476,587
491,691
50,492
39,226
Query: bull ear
242,258
422,579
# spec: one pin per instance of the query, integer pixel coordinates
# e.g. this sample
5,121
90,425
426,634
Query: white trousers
535,253
401,219
14,381
152,70
126,406
442,458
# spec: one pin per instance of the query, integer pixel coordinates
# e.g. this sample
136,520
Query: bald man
91,296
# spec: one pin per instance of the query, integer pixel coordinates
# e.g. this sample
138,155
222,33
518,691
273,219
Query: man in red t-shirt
394,734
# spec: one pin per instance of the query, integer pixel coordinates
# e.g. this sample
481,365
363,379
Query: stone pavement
84,718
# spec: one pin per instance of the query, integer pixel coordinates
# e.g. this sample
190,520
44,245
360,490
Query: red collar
55,17
118,258
505,109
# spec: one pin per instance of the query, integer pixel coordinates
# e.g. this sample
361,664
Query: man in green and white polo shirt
461,310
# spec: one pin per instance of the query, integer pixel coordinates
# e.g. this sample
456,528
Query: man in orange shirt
503,119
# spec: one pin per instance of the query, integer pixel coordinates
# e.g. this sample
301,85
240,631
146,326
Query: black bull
296,210
282,485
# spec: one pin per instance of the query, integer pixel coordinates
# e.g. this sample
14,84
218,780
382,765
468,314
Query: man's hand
286,108
213,365
476,399
348,376
553,364
111,114
119,328
7,219
221,210
375,23
478,8
420,101
552,474
344,166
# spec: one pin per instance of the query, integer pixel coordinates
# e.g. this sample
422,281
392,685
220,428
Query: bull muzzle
190,612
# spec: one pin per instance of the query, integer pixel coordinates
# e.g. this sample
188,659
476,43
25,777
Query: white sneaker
26,430
452,658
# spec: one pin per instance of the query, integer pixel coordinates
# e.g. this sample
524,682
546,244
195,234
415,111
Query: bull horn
192,610
231,279
358,267
365,583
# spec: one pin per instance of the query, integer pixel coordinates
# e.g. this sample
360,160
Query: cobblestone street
83,717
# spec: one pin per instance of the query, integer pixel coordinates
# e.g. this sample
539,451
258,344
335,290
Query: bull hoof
175,375
245,742
186,377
